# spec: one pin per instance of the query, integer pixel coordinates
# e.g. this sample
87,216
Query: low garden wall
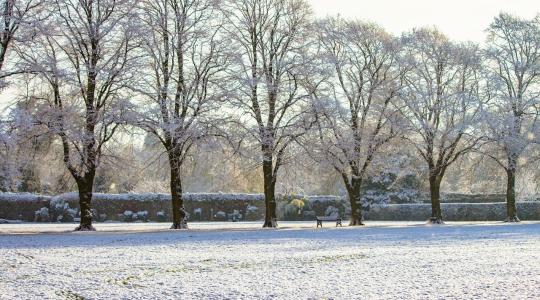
240,207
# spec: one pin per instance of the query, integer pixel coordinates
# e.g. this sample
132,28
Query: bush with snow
220,216
252,213
331,211
130,216
197,214
63,208
142,215
62,212
42,215
235,216
126,216
292,210
102,217
161,216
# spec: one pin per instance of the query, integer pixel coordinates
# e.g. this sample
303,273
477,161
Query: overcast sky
460,19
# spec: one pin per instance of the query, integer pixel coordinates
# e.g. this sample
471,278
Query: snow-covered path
225,260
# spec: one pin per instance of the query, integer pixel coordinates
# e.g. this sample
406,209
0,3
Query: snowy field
239,260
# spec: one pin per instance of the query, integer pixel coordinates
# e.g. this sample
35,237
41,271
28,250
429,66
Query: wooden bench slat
336,219
328,218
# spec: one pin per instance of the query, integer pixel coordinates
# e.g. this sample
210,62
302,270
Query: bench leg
338,222
319,223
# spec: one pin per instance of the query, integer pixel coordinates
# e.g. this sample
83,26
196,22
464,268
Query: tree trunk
511,208
270,219
5,41
356,203
85,186
435,194
3,51
178,211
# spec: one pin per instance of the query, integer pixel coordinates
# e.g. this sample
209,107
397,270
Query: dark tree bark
435,195
85,186
85,182
270,219
3,50
355,196
178,210
9,26
511,208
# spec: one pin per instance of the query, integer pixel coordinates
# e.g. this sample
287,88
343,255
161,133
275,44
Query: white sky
462,20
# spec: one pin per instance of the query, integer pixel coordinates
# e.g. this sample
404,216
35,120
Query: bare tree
441,102
182,95
269,37
353,104
513,61
15,14
84,55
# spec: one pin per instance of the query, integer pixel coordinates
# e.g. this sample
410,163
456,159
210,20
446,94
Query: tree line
267,75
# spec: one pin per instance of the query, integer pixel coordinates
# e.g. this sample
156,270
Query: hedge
221,207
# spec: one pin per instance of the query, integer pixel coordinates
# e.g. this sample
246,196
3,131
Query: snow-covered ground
239,260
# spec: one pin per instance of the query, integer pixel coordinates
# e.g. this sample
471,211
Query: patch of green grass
125,281
333,258
69,295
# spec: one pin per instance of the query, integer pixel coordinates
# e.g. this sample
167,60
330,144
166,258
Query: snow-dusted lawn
239,260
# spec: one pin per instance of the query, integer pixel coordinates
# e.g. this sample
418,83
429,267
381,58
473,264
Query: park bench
332,218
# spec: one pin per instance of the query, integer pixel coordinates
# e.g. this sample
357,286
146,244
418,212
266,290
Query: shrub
291,211
62,212
308,215
252,213
161,216
42,215
331,211
221,216
235,216
142,215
